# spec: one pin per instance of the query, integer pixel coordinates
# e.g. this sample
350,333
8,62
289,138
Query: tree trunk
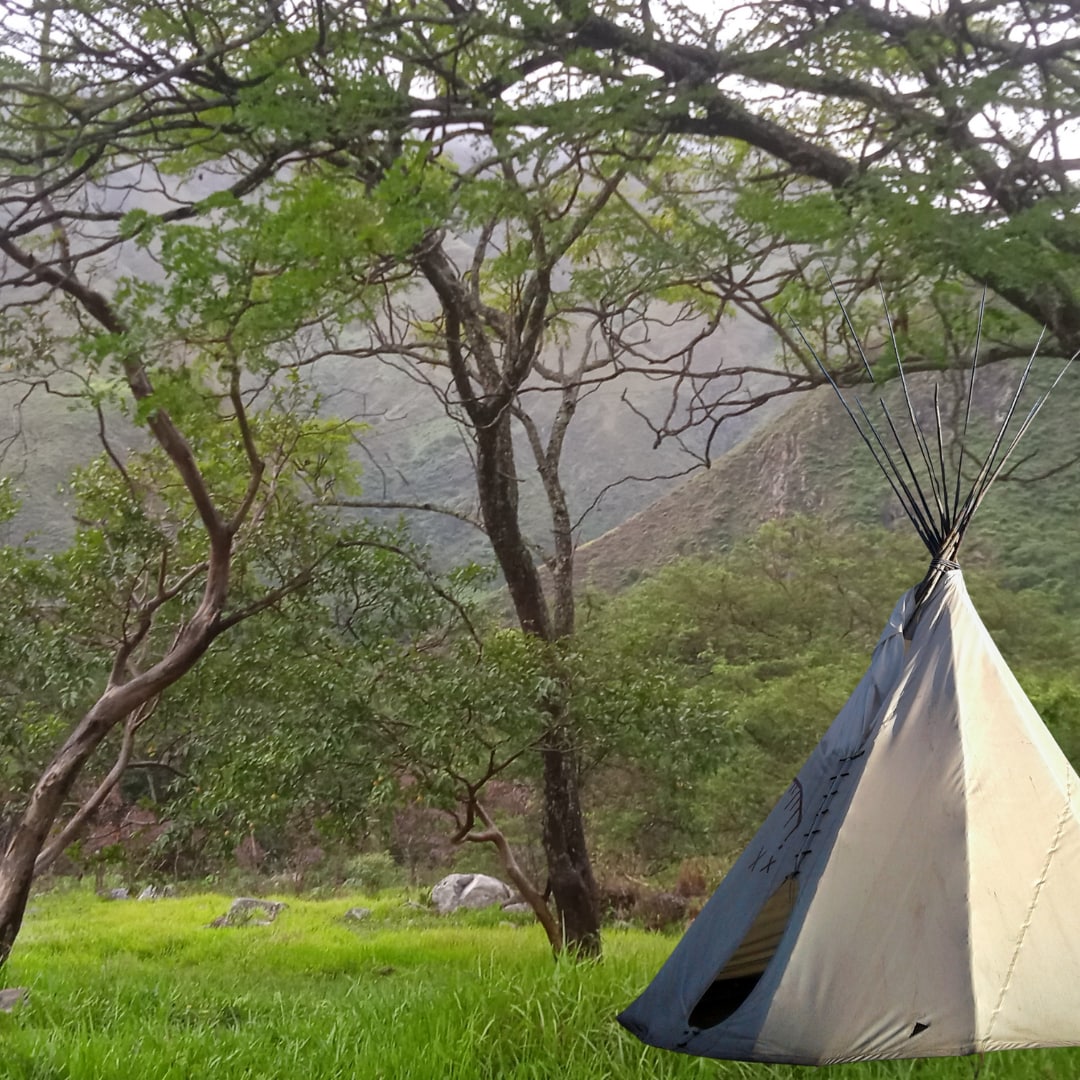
31,832
59,843
490,409
29,835
15,882
492,834
569,870
497,487
570,874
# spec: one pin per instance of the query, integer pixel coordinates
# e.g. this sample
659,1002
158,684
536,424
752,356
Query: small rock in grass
12,998
157,892
517,907
115,894
248,911
357,914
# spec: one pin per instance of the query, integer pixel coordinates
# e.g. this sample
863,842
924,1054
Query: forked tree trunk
489,403
119,700
59,842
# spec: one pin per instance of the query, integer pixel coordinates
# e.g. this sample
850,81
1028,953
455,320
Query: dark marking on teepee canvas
793,805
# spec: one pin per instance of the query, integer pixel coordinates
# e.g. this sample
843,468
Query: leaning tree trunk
32,830
119,699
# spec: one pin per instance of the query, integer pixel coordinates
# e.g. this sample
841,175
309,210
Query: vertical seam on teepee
1055,844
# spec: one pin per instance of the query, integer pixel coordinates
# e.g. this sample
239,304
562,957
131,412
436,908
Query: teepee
915,892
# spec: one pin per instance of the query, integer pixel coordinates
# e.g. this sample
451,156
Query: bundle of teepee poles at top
934,509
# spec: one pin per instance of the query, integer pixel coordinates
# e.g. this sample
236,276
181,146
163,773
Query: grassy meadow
134,991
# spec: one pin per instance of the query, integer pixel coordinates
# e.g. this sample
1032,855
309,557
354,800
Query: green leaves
243,281
295,722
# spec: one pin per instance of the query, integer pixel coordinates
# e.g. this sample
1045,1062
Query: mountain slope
811,460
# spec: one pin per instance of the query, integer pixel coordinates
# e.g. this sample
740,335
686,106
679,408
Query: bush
661,910
373,871
693,879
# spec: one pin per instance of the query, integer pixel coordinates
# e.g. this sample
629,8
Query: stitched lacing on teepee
835,783
1063,819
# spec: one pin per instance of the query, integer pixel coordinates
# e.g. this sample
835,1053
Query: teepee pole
916,427
967,406
890,472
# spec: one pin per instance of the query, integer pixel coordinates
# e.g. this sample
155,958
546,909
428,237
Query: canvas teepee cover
916,891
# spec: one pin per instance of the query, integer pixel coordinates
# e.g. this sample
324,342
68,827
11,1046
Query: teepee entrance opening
736,980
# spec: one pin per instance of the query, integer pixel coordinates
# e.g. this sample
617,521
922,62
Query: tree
276,734
859,145
218,520
148,584
448,721
527,323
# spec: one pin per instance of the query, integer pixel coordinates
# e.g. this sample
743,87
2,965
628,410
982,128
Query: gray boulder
10,999
248,911
469,891
115,894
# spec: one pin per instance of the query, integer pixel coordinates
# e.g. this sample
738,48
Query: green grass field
140,991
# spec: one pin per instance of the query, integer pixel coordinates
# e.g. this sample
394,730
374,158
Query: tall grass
141,991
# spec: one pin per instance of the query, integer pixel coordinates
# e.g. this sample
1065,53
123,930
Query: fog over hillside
414,452
411,450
